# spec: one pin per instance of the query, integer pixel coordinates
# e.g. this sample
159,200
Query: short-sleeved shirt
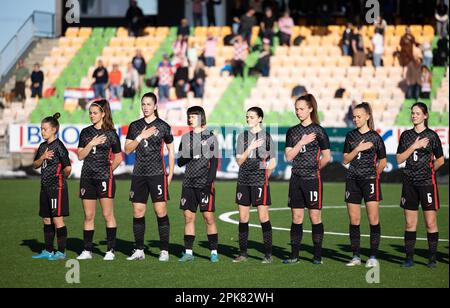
51,169
253,171
201,147
364,165
97,164
419,167
306,164
150,151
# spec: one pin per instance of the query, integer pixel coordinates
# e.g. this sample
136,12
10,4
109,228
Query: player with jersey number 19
99,148
308,148
147,137
421,149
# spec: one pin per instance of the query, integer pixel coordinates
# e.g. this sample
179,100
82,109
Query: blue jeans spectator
163,92
427,61
116,91
210,61
413,91
36,91
346,50
377,59
199,90
99,90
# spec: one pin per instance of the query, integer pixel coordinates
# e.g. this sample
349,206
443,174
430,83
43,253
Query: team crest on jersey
131,194
183,201
82,191
156,132
239,196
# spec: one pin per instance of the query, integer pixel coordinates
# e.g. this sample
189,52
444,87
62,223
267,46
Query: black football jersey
364,165
201,148
52,169
150,151
97,164
306,163
253,171
419,167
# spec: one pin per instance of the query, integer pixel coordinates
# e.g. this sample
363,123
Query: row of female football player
307,147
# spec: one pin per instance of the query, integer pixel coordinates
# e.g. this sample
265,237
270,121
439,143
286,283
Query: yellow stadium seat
72,32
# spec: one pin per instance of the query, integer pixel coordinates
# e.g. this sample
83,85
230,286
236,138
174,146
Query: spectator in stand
297,91
140,66
441,16
134,17
210,50
407,43
179,49
349,115
181,79
210,11
21,75
239,55
359,56
246,23
426,82
101,80
262,66
268,24
257,6
197,10
442,52
380,25
378,48
199,80
165,78
37,81
413,75
286,25
237,10
130,81
347,40
184,29
192,54
227,68
115,82
427,54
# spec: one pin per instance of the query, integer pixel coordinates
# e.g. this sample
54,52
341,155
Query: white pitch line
225,217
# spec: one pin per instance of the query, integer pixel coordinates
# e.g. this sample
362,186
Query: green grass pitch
21,231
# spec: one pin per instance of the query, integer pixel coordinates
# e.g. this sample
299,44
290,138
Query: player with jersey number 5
365,153
147,136
421,149
53,159
99,149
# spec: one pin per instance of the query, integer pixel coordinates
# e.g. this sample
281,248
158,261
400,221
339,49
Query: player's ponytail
53,121
424,109
103,104
312,103
368,109
153,97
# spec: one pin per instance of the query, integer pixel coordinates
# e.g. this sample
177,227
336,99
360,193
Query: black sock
355,239
111,238
433,239
296,239
189,241
61,235
375,236
49,237
317,237
88,235
267,237
139,231
213,240
410,243
164,232
243,238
